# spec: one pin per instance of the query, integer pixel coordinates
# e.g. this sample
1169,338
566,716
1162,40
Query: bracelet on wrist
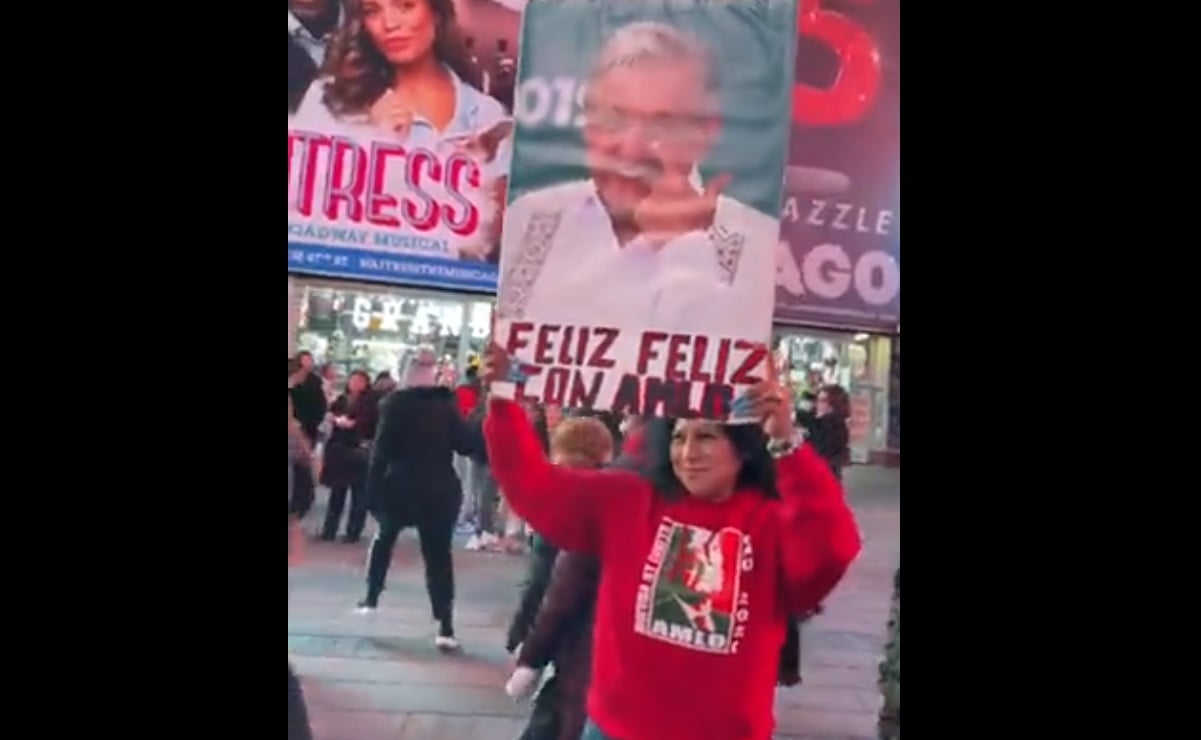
778,448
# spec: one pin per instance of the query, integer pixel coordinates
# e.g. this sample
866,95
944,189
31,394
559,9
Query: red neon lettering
858,83
345,181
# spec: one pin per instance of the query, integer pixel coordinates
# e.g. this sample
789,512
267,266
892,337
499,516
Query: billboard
399,139
640,239
840,253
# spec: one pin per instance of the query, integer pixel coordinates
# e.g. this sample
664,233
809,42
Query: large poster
641,234
841,238
399,139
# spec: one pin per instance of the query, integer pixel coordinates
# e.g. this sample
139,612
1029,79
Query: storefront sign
382,315
390,183
839,256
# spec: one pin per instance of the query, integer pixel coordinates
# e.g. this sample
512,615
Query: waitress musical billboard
399,138
840,253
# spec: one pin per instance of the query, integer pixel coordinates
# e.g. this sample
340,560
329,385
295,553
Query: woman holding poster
398,73
731,529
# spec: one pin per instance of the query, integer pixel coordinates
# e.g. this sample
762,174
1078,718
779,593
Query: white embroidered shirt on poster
474,112
562,264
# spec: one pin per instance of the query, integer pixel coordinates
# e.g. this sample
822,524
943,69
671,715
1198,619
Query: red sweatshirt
693,595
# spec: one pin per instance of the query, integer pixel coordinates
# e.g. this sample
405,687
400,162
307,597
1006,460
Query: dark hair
840,401
362,374
750,444
361,74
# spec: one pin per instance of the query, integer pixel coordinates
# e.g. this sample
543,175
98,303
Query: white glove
522,683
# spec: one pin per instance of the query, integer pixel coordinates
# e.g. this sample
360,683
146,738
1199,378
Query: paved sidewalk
378,677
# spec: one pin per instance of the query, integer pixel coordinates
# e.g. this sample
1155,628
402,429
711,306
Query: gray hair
646,41
418,368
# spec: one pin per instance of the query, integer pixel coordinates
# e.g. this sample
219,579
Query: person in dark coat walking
553,623
562,635
411,482
543,553
344,468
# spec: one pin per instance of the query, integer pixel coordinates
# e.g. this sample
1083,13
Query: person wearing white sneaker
411,481
446,643
522,683
483,541
482,488
553,625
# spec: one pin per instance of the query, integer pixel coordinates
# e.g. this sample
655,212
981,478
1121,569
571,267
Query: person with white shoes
483,489
411,482
552,628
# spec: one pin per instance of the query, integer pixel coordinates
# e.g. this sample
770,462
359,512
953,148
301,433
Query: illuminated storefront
374,327
857,362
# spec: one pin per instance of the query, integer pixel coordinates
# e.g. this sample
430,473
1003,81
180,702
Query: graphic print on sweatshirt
690,593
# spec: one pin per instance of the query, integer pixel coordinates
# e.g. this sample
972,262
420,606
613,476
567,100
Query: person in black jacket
346,454
826,426
553,623
411,481
826,429
309,403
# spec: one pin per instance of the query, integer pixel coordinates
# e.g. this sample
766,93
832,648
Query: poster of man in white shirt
638,254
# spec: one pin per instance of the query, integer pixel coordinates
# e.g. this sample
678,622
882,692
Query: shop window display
376,330
859,364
